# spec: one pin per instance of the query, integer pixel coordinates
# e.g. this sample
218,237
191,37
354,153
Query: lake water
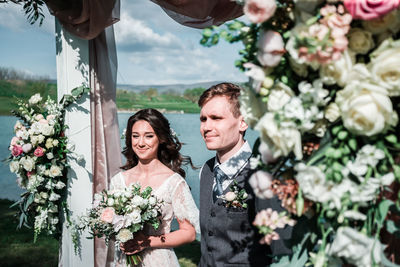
185,125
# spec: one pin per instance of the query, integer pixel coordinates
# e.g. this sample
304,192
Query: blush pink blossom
268,238
43,121
370,9
14,140
16,150
107,215
39,151
270,49
26,148
259,11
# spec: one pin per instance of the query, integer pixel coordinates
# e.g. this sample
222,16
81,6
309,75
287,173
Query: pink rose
43,121
16,150
268,238
14,140
270,49
370,9
107,215
39,151
259,11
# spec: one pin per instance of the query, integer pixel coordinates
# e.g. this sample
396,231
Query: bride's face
144,140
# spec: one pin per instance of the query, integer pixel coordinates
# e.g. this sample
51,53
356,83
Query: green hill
126,100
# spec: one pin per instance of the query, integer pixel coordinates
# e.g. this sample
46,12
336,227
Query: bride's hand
135,245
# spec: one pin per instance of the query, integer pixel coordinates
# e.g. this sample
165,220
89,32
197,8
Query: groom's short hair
230,90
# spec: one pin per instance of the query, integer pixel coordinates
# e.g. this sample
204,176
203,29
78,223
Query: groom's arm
281,246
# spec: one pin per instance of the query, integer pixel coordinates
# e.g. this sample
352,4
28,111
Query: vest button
210,233
212,214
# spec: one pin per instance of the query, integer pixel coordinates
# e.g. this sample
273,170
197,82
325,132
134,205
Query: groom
228,237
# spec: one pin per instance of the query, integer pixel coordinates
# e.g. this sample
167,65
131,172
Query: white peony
365,108
357,248
385,66
360,40
261,182
26,148
124,235
137,201
47,129
338,71
36,98
281,140
279,96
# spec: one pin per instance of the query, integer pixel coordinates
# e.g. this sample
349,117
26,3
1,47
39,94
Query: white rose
47,129
38,117
261,182
338,70
36,127
134,216
49,143
230,196
124,235
26,148
110,202
332,112
14,166
34,140
360,41
359,72
385,66
379,25
55,142
54,196
36,98
281,140
137,201
28,163
50,155
365,108
55,171
280,95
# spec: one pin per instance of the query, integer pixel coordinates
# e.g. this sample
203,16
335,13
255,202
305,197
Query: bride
153,159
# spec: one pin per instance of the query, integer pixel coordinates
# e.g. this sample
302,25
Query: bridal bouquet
38,156
120,213
324,94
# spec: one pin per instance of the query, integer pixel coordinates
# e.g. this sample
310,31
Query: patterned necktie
220,176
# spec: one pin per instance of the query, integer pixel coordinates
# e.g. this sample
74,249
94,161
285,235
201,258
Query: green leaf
383,209
215,39
353,144
391,138
343,135
393,228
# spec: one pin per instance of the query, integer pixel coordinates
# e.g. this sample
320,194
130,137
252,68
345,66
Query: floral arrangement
119,214
324,94
38,156
235,198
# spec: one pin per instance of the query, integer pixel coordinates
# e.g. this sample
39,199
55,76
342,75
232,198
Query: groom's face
220,129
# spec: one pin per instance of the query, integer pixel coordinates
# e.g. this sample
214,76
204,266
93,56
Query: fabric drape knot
220,177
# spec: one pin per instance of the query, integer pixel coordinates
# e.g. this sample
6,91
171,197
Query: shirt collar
236,162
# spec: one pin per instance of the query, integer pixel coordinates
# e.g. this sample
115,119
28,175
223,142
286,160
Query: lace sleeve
183,204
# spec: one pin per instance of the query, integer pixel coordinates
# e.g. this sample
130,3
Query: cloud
134,35
13,18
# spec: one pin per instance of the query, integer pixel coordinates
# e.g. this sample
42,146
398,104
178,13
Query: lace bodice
177,203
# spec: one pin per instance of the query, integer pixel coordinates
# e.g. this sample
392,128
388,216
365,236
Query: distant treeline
13,74
16,84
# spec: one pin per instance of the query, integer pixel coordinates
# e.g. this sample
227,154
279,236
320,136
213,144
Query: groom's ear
242,124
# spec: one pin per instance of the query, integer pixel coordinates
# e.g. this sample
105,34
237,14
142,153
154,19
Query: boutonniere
235,198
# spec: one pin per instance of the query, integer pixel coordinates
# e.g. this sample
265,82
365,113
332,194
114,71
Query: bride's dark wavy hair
168,149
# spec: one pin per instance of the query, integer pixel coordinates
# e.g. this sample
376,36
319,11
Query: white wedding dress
177,203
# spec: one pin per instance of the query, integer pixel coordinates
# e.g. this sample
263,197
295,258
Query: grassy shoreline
17,247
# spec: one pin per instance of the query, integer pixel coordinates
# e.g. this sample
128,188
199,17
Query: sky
152,48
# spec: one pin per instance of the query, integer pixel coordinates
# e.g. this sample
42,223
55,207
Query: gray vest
228,237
